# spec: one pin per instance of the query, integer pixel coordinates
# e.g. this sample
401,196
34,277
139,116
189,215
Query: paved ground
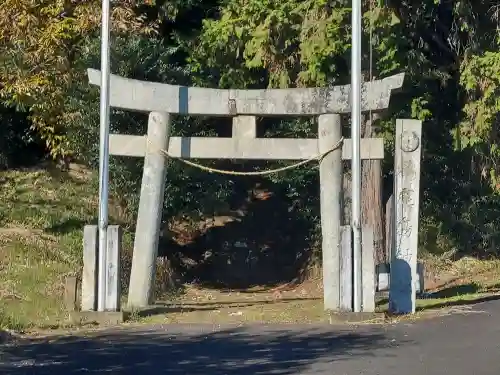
460,344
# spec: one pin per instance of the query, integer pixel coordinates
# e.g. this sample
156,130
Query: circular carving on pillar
409,141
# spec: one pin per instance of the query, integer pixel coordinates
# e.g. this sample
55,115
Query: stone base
356,317
383,277
97,317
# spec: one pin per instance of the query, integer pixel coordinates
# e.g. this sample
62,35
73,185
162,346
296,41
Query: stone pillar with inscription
402,295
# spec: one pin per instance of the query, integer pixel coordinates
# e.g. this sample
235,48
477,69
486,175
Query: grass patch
460,300
485,287
42,214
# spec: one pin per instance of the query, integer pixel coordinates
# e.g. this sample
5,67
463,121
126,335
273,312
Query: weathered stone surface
70,293
407,193
113,268
330,175
384,277
147,230
367,270
390,226
89,274
346,269
151,96
244,127
241,148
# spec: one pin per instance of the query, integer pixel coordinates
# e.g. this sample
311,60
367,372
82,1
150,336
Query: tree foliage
448,50
39,40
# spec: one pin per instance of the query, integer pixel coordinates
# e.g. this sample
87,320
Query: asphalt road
460,344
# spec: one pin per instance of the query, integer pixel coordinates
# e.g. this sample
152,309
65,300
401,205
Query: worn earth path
460,344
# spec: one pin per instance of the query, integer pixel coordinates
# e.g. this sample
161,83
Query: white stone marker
113,269
89,274
402,295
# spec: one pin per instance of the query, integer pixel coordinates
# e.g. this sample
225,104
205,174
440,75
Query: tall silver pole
356,155
103,156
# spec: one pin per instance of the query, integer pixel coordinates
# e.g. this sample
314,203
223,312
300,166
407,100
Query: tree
441,47
448,50
298,43
39,40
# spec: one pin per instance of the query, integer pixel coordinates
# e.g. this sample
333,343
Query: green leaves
480,77
448,50
38,43
294,42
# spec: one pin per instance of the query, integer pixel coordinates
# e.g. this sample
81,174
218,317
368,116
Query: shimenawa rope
318,157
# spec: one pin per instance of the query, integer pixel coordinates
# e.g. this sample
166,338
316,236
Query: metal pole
356,155
103,156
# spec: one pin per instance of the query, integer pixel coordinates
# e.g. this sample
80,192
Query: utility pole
356,152
103,156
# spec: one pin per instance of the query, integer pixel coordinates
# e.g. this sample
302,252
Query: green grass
457,295
459,300
41,219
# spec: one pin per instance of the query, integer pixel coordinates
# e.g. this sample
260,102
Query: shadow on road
188,350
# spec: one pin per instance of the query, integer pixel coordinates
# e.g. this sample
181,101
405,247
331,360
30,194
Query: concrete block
368,270
70,293
384,278
89,275
113,268
346,269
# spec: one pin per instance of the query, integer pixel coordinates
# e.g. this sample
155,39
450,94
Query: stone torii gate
161,100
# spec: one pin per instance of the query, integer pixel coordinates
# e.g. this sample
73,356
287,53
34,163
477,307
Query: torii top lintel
152,96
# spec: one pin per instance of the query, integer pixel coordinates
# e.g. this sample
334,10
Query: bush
19,145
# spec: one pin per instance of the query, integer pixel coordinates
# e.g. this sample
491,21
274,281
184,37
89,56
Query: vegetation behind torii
448,50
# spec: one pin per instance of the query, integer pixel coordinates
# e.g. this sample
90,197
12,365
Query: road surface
459,344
